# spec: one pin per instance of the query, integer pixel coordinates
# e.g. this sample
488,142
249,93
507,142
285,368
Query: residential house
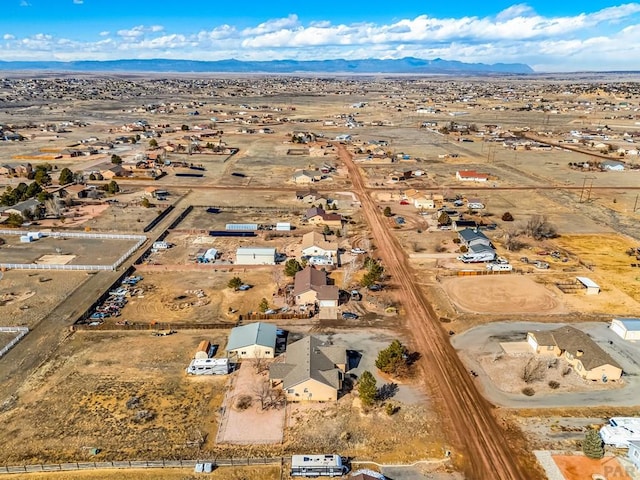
311,370
308,196
254,340
7,170
318,249
306,176
581,352
317,216
471,176
113,172
424,203
26,208
472,237
311,286
23,170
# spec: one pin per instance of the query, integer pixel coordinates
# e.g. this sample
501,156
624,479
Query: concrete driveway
486,339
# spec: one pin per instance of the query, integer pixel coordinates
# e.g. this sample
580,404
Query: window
243,353
290,390
306,390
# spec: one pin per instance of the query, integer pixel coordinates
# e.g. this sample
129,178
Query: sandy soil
505,373
579,467
80,398
501,294
33,295
253,425
222,473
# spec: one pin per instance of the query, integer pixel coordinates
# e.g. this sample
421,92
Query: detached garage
255,256
626,328
592,287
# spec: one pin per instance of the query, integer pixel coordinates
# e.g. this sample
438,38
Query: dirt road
484,451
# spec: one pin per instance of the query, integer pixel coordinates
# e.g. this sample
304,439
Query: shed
203,350
255,340
283,227
626,328
256,256
210,255
592,287
242,227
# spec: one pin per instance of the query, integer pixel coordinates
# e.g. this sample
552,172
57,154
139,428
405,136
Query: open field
30,295
125,393
84,251
501,293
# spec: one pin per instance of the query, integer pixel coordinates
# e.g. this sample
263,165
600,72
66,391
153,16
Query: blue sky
560,35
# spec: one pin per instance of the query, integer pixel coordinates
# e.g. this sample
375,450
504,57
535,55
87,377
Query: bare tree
512,241
260,362
533,370
268,396
348,271
539,227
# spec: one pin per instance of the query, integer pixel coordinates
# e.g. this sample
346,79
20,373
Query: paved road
485,340
485,452
46,336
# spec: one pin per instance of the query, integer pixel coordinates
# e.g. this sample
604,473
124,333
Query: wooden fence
152,327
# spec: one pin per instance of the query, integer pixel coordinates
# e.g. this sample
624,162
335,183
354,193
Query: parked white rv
499,267
208,366
477,257
621,431
317,465
160,245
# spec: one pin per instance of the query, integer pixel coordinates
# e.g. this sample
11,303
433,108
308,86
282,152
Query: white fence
21,332
100,236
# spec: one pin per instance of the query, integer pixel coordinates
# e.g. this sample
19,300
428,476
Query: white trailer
208,366
620,431
318,466
477,257
499,267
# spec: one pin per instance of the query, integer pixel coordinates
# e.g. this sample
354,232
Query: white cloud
8,36
78,2
24,3
603,39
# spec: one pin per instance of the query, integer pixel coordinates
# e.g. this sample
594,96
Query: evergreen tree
367,389
235,283
592,445
66,176
291,267
393,360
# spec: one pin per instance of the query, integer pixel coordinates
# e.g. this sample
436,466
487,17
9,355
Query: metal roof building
255,340
242,227
627,328
256,256
592,287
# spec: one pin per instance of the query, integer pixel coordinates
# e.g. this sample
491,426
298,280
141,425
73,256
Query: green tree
393,360
444,219
112,187
592,445
14,220
184,128
234,283
116,159
374,272
326,230
42,176
92,177
264,305
387,211
66,176
153,143
145,202
291,267
367,389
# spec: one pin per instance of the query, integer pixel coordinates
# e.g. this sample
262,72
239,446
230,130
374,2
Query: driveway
485,340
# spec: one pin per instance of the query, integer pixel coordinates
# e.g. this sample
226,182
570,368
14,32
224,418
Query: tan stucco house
587,358
310,370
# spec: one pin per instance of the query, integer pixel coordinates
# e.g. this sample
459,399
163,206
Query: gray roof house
312,370
471,237
31,205
255,340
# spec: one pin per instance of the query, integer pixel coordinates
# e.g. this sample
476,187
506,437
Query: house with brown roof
317,216
587,358
310,370
471,176
311,286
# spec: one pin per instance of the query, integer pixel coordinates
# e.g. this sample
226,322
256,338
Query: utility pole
584,182
635,204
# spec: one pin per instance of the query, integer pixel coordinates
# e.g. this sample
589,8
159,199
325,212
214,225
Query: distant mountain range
408,65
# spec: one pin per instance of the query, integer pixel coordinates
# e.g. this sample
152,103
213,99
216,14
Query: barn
626,328
256,256
254,340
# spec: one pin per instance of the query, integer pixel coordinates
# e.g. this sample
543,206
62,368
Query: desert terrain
245,158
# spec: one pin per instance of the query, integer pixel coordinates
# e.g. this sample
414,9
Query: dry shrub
528,391
243,402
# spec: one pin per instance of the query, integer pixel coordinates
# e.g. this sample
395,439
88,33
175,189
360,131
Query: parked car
244,287
404,202
376,287
358,251
349,316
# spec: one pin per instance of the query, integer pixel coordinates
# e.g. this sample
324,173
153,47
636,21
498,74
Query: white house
626,328
424,203
256,256
318,249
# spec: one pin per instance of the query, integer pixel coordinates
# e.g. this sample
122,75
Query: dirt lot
29,296
222,473
199,297
579,467
85,251
125,393
500,294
